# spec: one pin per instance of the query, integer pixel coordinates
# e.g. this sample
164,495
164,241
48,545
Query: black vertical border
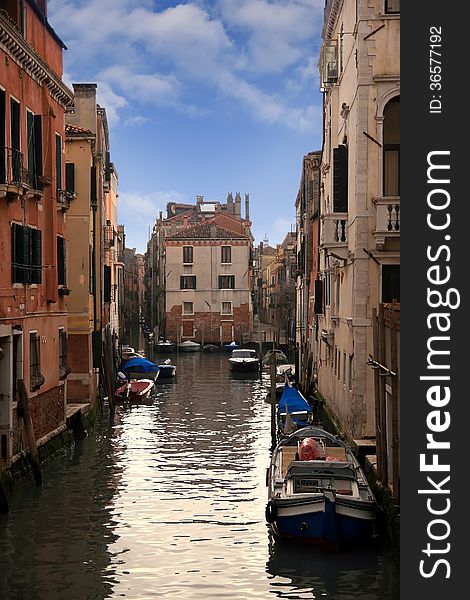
423,132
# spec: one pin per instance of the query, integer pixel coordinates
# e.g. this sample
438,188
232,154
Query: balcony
387,223
13,177
63,199
334,231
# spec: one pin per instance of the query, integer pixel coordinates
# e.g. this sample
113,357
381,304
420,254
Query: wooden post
394,386
23,413
377,384
273,399
382,399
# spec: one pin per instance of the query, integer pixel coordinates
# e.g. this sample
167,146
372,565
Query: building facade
207,245
33,204
359,258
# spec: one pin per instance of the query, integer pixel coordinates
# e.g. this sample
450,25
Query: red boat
135,391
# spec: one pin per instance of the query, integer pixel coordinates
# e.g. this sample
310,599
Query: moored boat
135,391
139,367
244,359
189,346
293,411
167,370
318,492
165,347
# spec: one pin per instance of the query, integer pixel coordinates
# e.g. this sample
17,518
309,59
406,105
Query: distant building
199,266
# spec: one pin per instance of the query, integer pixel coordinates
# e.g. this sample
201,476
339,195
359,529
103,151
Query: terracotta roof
75,129
205,230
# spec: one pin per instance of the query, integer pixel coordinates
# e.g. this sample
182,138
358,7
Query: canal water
168,502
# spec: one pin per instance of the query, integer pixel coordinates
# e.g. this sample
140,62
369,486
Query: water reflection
299,571
169,502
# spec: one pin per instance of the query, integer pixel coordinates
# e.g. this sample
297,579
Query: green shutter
36,252
70,178
58,162
30,138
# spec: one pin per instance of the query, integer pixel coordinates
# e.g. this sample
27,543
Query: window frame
184,279
224,250
188,250
228,277
222,307
183,312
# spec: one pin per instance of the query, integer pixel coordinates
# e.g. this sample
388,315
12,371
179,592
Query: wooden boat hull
244,365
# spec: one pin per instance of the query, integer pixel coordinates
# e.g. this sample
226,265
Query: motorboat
318,492
139,367
244,359
135,391
189,346
293,411
281,358
165,347
167,370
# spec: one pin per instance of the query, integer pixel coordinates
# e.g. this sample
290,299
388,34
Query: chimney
247,207
84,105
230,203
185,222
213,231
238,206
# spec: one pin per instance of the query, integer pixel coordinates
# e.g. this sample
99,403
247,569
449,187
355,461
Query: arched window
391,148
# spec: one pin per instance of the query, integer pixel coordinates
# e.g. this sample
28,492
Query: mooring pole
23,412
273,399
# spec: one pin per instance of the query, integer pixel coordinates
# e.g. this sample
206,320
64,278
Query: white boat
244,359
318,492
189,346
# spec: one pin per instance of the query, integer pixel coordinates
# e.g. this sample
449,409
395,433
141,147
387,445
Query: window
64,368
390,283
340,179
188,255
61,269
34,133
188,308
226,282
3,114
187,282
392,7
36,378
58,162
226,254
350,370
328,65
106,283
16,157
226,308
70,180
344,367
26,252
391,148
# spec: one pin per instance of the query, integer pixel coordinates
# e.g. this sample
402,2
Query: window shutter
58,162
30,139
3,173
340,179
27,255
70,178
318,306
36,252
61,278
93,185
106,283
37,146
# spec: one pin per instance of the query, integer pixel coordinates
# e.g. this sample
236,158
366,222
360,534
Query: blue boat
318,492
293,411
138,367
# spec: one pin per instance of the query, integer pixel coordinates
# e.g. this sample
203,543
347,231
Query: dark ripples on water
169,503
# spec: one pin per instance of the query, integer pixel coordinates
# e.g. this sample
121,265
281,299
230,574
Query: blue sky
203,98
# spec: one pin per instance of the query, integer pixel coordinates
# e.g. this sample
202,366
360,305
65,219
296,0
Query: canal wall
80,418
388,518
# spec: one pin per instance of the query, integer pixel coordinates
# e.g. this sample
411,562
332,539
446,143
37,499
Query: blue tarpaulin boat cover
139,365
295,401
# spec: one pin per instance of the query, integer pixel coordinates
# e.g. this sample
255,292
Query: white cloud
145,207
146,56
